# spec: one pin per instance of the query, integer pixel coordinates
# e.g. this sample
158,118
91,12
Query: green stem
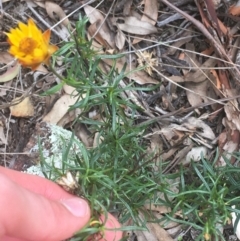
56,73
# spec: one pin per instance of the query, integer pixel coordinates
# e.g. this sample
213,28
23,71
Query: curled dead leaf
150,11
140,77
95,17
11,73
235,9
134,26
120,39
53,8
93,29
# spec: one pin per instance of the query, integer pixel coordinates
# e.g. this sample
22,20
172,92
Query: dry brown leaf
60,109
93,28
36,3
84,135
235,9
155,232
223,28
94,15
208,51
199,127
229,148
150,15
150,11
120,39
232,120
158,208
177,79
186,37
139,76
215,79
11,73
174,133
195,154
52,9
202,73
200,92
232,115
23,109
167,224
145,236
67,118
69,90
134,26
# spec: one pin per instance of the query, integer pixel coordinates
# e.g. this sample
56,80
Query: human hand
35,209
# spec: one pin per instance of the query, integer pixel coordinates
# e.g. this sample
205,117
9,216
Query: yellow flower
29,45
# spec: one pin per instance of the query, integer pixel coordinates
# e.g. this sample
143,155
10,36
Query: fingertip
112,232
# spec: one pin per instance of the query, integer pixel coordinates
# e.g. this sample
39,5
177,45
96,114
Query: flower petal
23,28
52,49
46,36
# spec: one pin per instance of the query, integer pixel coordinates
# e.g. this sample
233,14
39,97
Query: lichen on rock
51,141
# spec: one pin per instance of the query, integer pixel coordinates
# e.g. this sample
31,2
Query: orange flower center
27,45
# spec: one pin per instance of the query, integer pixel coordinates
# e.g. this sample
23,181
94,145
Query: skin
35,209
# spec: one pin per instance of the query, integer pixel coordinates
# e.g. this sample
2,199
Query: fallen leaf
215,79
93,29
202,73
235,9
195,154
199,94
199,127
94,15
138,76
60,108
23,109
228,149
134,26
69,90
54,9
154,232
150,15
120,39
150,11
67,118
11,73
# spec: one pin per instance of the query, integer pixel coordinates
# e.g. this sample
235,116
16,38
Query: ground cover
150,92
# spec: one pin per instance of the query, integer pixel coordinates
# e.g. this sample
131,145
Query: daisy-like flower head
29,45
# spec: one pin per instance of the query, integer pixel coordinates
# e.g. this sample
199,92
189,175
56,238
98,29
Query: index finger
36,184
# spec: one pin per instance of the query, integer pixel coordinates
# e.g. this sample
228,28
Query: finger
51,190
111,234
36,184
28,216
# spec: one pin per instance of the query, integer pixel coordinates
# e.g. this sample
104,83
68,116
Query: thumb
29,216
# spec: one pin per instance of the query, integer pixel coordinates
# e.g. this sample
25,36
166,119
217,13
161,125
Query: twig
215,43
182,110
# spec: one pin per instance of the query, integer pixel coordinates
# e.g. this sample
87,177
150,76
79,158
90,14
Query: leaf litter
170,44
